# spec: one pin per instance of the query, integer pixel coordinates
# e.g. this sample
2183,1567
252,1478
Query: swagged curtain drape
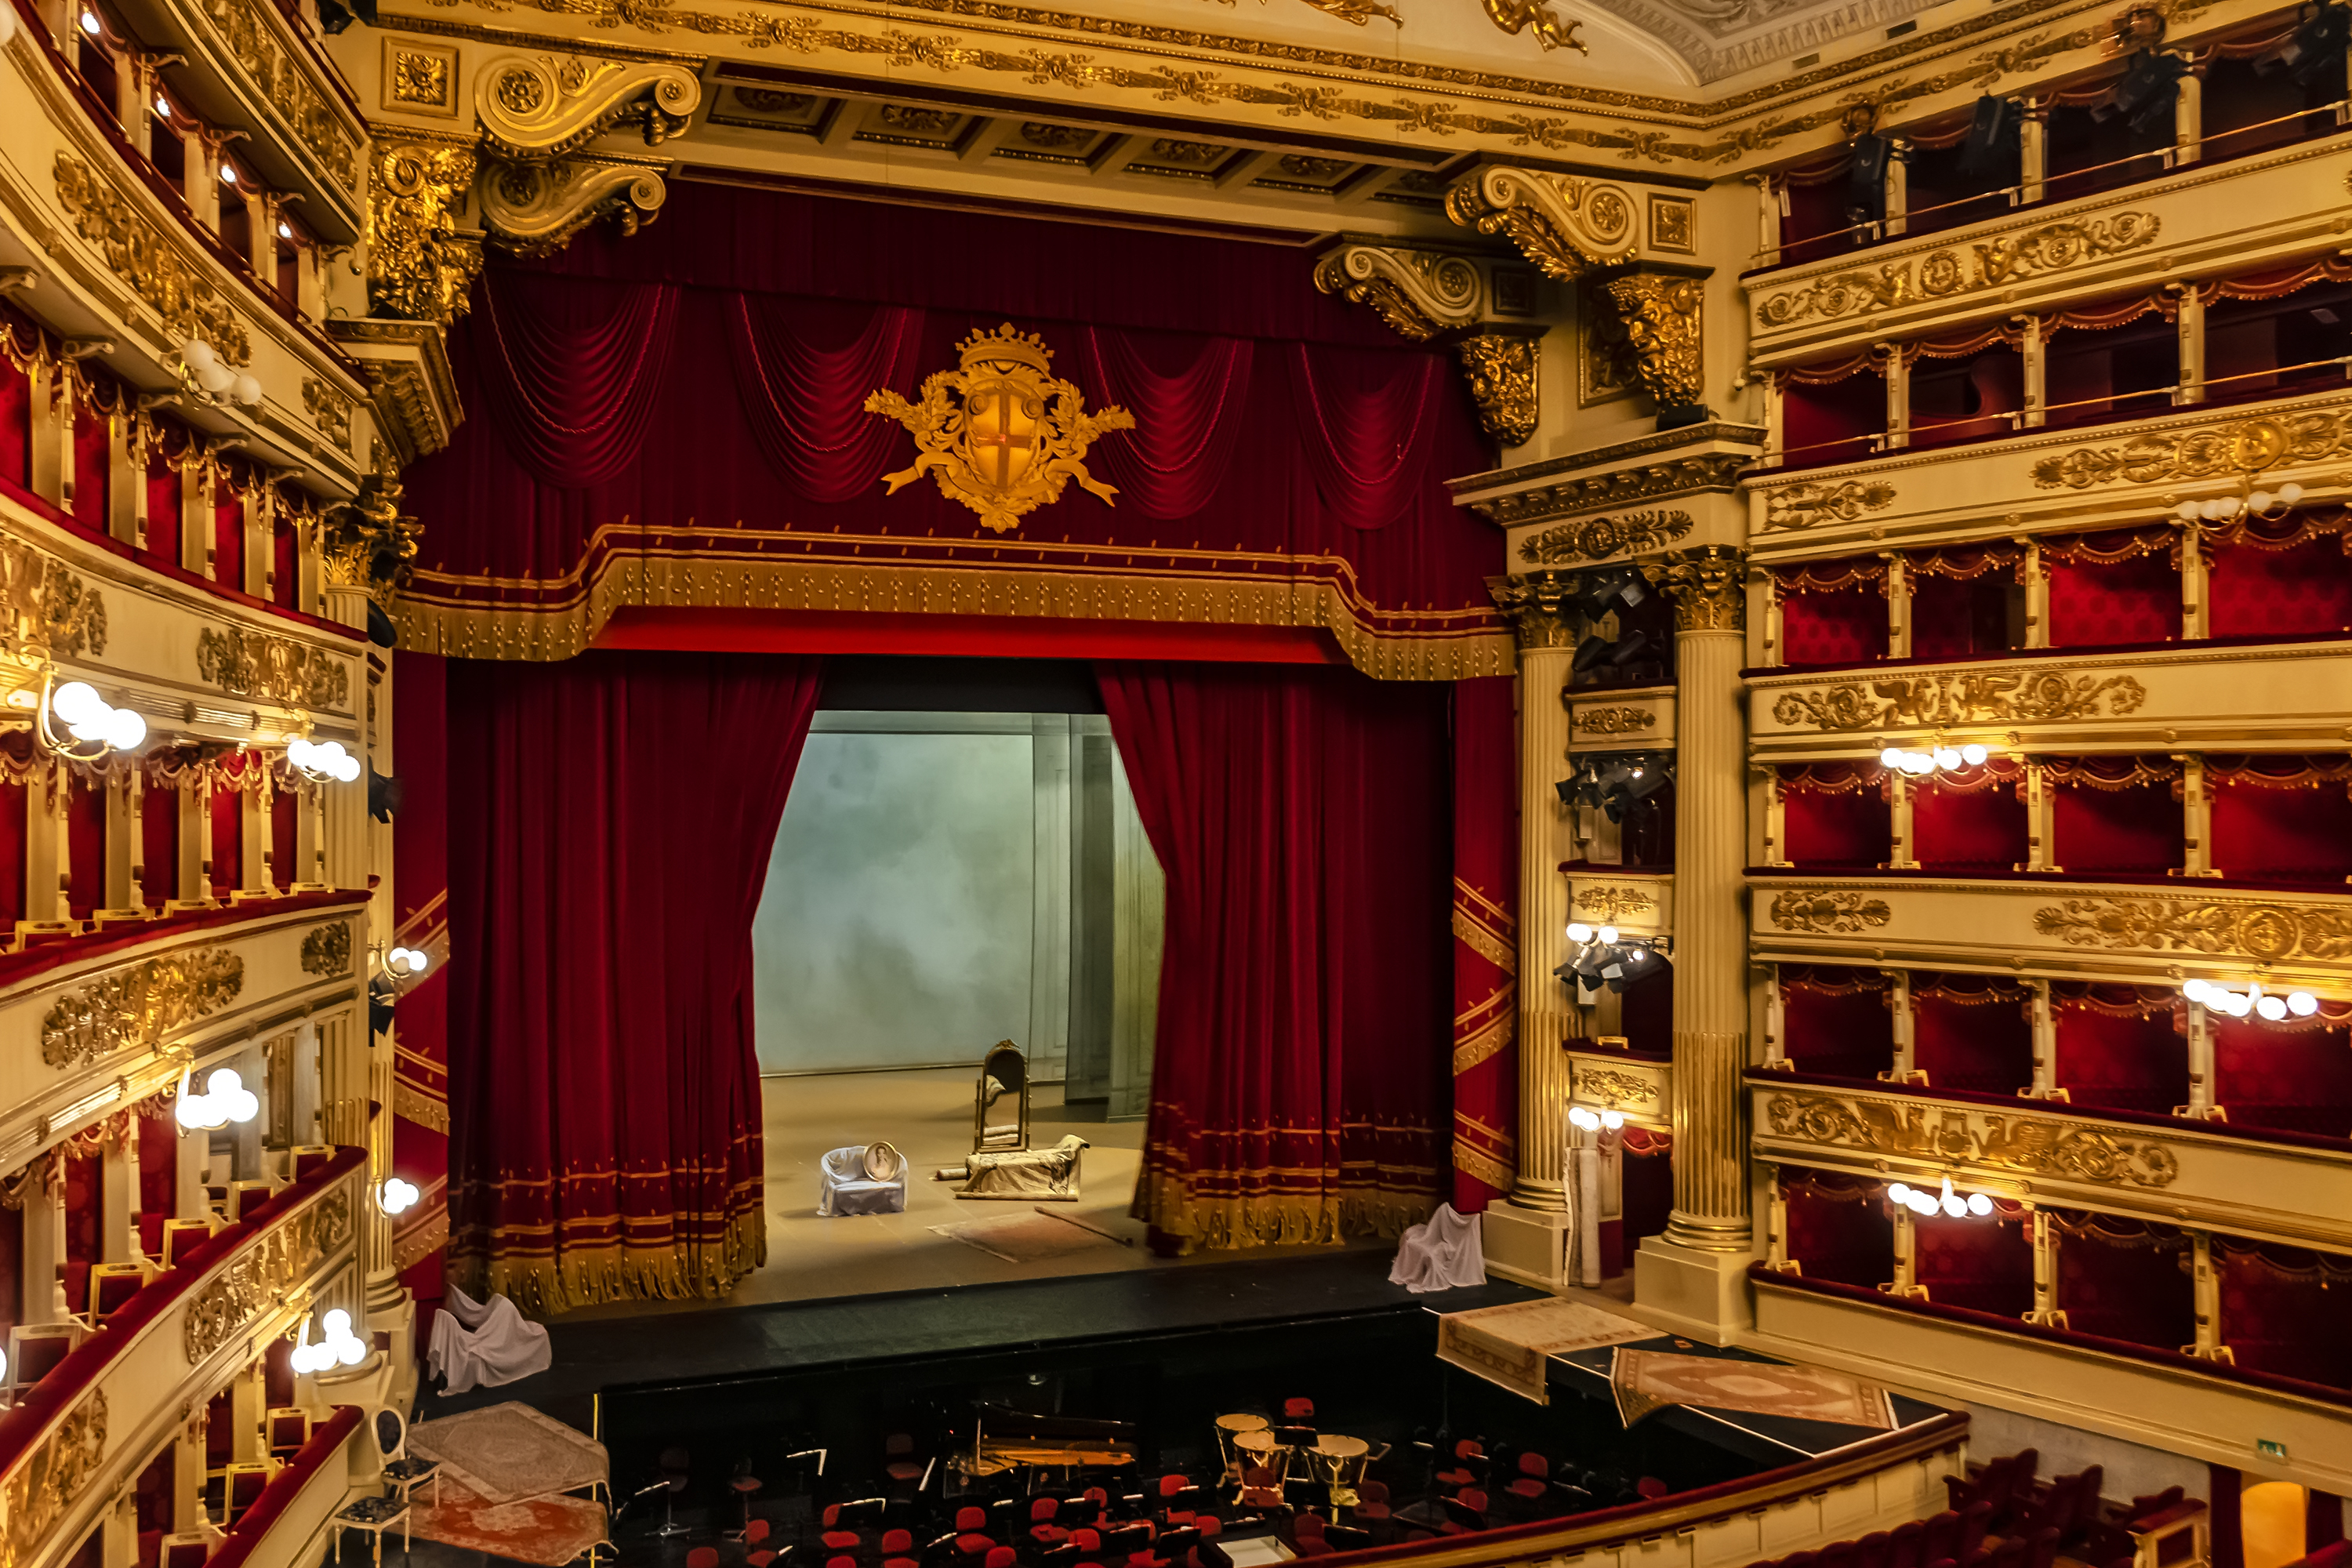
1486,941
604,864
1300,816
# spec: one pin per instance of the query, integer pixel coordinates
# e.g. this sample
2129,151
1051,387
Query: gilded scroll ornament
1829,912
368,541
50,609
279,80
1801,506
45,1485
2026,1145
2265,932
1992,264
538,107
419,265
1709,585
1975,697
1676,475
1610,1087
1501,369
1538,18
1609,905
137,253
329,409
1614,721
139,1004
272,668
2218,451
328,950
1419,293
535,208
282,1257
1598,537
1566,225
1661,315
1000,435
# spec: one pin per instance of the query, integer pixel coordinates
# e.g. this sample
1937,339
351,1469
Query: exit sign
2270,1450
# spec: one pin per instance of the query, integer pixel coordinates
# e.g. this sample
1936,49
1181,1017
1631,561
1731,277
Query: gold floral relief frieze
329,409
138,1006
2214,451
279,80
1943,274
45,1485
1802,506
1596,538
137,253
328,950
1000,434
2265,932
1609,905
1676,475
49,608
284,1256
2022,1145
1608,1087
1828,912
422,77
1974,697
1613,721
272,668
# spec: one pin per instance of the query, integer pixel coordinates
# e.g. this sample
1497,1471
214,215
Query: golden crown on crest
1005,346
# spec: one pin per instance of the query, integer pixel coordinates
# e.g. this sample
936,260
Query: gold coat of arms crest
1000,434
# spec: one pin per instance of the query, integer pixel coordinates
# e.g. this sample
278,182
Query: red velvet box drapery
2294,1075
1970,819
2125,1279
1972,1031
1836,815
604,863
1839,1227
698,392
420,1131
2116,814
1299,817
2120,1048
1832,612
2121,586
1983,1263
1835,1020
2283,1310
2282,818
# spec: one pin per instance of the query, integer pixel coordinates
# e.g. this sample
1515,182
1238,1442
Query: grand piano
1004,1437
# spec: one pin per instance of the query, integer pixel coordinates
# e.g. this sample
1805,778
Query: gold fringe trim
1485,1043
702,580
1164,1202
1490,945
1475,1164
411,1103
586,1276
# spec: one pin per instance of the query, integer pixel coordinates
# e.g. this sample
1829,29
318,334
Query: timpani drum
1231,1428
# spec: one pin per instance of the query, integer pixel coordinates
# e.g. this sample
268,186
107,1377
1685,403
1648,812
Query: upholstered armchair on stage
869,1178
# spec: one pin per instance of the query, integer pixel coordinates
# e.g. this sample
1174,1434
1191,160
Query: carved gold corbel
538,208
1428,295
419,265
1661,313
1565,224
537,108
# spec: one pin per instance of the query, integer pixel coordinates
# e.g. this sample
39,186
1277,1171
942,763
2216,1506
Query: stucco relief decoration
1609,905
1566,225
2265,932
272,668
1801,506
419,265
42,1488
282,1257
1974,697
1419,293
1661,315
1598,537
1501,370
368,541
1709,585
49,608
1000,434
1538,17
1610,1087
1707,471
139,1005
2026,1145
1993,264
1615,720
138,254
329,409
2219,451
328,950
1828,912
282,83
539,107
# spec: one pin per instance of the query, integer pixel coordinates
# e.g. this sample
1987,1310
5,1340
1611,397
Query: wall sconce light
405,964
2268,1004
322,761
93,727
212,379
341,1347
396,1197
224,1099
1595,1121
1927,1205
2259,503
1920,764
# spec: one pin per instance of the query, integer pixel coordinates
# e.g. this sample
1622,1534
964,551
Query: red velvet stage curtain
1486,941
572,374
1969,819
2282,818
1971,1032
1364,419
1835,1020
1839,1227
1301,817
420,1129
2120,1048
2117,813
2283,1311
806,402
1836,815
1983,1264
2125,1279
2295,1075
605,858
1172,465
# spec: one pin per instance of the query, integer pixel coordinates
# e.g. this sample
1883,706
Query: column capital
1709,586
1536,607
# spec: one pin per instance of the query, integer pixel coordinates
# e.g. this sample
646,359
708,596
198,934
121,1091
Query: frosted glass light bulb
1922,1204
1947,757
337,1322
223,1081
1900,1193
216,377
347,770
197,354
1979,1204
75,703
125,730
1578,932
2186,511
2302,1003
1891,758
1608,936
1974,754
2195,990
2272,1007
2290,492
90,24
247,389
1611,1121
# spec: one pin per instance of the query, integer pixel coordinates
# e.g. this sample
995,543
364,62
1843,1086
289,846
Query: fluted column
1711,1210
1546,643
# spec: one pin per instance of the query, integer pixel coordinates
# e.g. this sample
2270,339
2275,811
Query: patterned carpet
509,1452
552,1530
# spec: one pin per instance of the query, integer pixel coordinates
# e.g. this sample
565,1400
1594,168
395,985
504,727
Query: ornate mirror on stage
1000,1113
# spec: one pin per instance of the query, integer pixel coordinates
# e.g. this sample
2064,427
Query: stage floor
927,1115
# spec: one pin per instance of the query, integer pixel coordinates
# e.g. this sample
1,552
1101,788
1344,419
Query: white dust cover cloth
479,1344
1441,1255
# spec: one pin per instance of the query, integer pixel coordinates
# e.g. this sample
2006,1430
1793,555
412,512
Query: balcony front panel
1637,903
1640,1088
2176,1172
2108,476
2190,698
85,1036
2242,216
135,273
1635,718
2156,933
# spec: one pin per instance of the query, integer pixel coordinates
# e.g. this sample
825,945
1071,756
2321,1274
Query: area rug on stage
1512,1344
546,1529
1025,1237
1645,1381
510,1451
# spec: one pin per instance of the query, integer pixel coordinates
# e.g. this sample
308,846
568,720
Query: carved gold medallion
1000,435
